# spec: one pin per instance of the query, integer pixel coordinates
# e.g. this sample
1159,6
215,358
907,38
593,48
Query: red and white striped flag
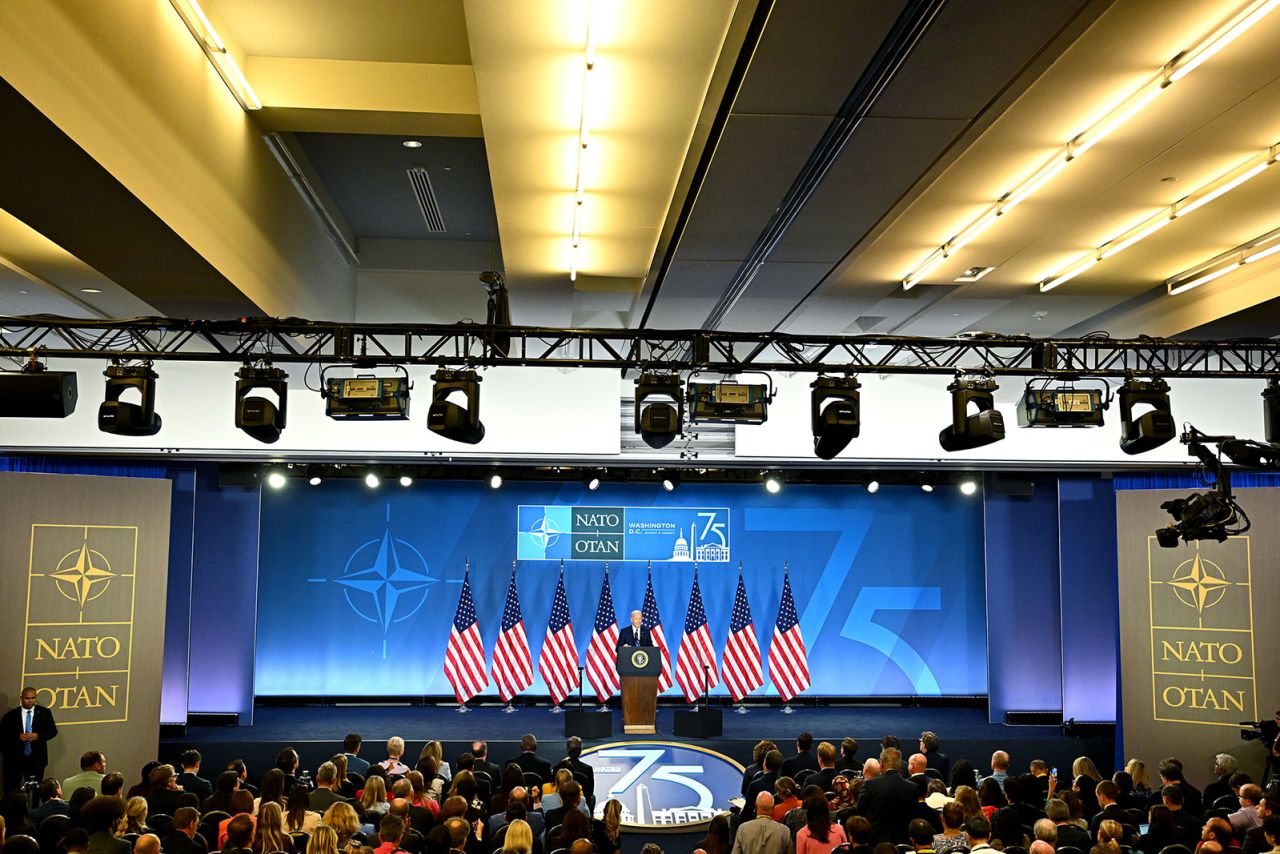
558,662
602,670
741,660
788,660
651,620
696,660
512,666
464,657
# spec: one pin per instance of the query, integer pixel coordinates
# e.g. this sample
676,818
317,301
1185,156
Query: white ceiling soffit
653,64
1224,112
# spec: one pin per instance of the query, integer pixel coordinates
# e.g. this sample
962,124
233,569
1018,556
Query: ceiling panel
811,54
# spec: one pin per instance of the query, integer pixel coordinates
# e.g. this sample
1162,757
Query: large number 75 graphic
644,760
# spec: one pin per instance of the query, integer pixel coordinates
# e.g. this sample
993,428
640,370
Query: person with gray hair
762,835
1224,765
1046,830
325,794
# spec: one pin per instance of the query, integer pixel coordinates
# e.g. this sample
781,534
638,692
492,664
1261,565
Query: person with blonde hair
1141,779
374,797
608,832
345,822
270,835
436,750
1110,834
392,764
1083,766
135,816
519,837
324,840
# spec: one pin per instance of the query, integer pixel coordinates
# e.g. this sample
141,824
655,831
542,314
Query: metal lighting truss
298,341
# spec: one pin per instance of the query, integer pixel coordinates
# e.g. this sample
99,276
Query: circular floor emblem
663,784
639,658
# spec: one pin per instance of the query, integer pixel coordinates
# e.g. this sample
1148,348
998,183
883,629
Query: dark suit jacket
1255,842
179,843
627,637
196,785
322,799
1188,828
11,727
167,801
57,806
929,814
1068,836
1218,788
748,776
577,766
494,772
822,779
801,761
764,783
888,802
533,763
1112,812
941,763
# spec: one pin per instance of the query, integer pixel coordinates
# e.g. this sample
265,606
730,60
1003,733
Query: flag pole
555,708
466,572
786,706
742,701
510,708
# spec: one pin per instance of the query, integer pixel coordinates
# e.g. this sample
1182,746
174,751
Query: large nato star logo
385,581
83,575
545,532
1199,583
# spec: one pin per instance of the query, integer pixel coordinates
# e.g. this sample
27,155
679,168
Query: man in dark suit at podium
635,634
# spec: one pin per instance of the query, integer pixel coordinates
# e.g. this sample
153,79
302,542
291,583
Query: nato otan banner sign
658,534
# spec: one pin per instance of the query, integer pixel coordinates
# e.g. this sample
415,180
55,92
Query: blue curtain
1190,479
81,465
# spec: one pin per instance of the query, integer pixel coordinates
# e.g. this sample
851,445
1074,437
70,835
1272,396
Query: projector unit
367,398
733,403
1060,407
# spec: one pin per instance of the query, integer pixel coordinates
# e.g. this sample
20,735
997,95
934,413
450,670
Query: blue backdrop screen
358,587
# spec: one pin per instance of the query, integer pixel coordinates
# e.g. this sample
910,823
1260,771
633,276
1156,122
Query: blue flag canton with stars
649,611
559,610
511,611
741,617
697,616
787,618
606,617
466,613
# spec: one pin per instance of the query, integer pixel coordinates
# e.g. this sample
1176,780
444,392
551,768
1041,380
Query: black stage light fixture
126,418
1153,427
659,408
984,426
836,412
35,392
262,401
366,397
1271,410
449,419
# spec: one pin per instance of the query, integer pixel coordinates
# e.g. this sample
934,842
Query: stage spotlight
448,418
670,481
968,487
984,426
262,399
873,486
926,486
406,480
659,408
495,481
276,480
372,480
591,481
314,480
835,413
126,418
1153,427
773,484
1271,411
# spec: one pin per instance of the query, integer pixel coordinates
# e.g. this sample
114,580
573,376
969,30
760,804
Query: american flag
512,666
741,661
696,651
558,662
650,620
602,670
464,657
788,660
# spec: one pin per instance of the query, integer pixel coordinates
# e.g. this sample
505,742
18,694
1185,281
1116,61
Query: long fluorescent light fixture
1216,188
584,139
1228,262
214,47
1138,100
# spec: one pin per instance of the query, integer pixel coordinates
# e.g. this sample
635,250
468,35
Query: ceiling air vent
426,196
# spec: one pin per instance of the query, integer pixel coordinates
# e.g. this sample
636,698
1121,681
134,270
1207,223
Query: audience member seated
20,844
148,843
763,782
374,797
1246,818
93,767
79,797
1170,771
717,840
272,789
1069,835
756,767
287,761
962,774
239,835
324,840
113,784
1107,795
529,760
325,794
570,801
761,834
190,779
889,800
101,816
241,804
269,835
967,798
1044,830
561,834
224,787
920,836
301,815
51,802
991,796
819,834
392,764
519,837
1006,830
76,841
185,838
390,831
435,750
999,769
166,797
801,760
344,821
135,815
143,787
979,832
952,835
17,815
1188,826
785,798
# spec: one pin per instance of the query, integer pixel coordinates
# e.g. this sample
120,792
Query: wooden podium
639,667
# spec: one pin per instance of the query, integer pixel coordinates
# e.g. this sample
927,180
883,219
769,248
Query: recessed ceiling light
24,292
973,274
91,290
411,143
1168,179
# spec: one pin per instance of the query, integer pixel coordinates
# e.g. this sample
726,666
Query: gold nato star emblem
86,578
1202,586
